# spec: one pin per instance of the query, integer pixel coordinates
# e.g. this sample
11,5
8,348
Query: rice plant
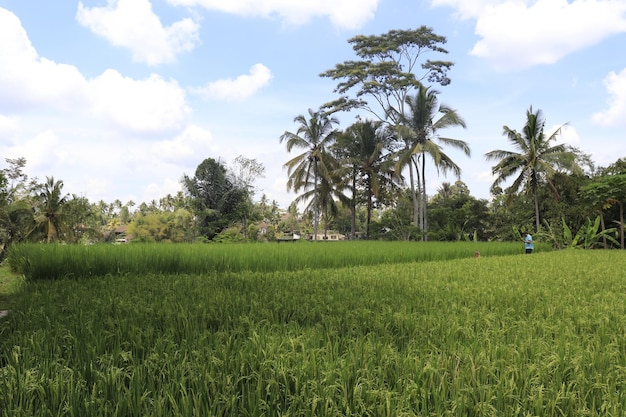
65,261
540,335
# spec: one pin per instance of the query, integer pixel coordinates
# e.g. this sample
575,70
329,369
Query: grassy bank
10,284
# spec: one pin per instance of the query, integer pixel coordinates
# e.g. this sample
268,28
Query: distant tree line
218,205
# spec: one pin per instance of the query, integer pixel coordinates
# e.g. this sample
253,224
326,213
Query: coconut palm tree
51,202
314,136
325,196
535,160
364,149
419,130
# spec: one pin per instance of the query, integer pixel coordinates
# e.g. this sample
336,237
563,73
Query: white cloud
240,88
85,130
30,81
186,147
8,126
466,9
485,177
27,79
348,14
44,151
615,85
517,34
154,191
146,105
132,24
567,135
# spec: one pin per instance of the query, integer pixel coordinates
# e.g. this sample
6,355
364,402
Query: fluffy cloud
186,147
615,85
43,151
30,81
27,79
8,125
240,88
132,24
567,135
349,14
146,105
519,34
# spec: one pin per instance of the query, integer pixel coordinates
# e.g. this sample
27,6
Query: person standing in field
528,242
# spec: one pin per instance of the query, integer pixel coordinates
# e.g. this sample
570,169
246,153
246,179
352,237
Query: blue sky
120,98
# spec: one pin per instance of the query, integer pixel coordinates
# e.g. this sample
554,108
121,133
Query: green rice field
360,329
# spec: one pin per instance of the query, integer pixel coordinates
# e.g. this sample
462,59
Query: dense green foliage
216,196
539,335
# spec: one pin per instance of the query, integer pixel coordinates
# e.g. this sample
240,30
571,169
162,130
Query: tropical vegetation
366,180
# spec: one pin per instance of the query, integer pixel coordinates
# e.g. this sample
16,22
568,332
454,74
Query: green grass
540,335
10,284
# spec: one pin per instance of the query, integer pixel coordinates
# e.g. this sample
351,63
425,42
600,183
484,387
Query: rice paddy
377,334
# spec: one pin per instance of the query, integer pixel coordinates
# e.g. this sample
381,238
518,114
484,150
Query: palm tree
364,150
325,196
51,208
535,161
419,129
314,136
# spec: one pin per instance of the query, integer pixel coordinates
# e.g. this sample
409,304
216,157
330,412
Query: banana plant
588,236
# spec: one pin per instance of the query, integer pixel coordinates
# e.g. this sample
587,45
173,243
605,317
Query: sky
121,98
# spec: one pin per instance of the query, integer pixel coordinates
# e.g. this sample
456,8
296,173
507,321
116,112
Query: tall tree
78,220
50,208
607,191
314,136
536,160
364,149
455,215
325,195
215,196
419,129
245,172
389,68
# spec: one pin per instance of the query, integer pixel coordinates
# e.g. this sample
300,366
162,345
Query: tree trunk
369,206
353,209
536,199
621,223
316,214
50,231
414,193
603,228
424,201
